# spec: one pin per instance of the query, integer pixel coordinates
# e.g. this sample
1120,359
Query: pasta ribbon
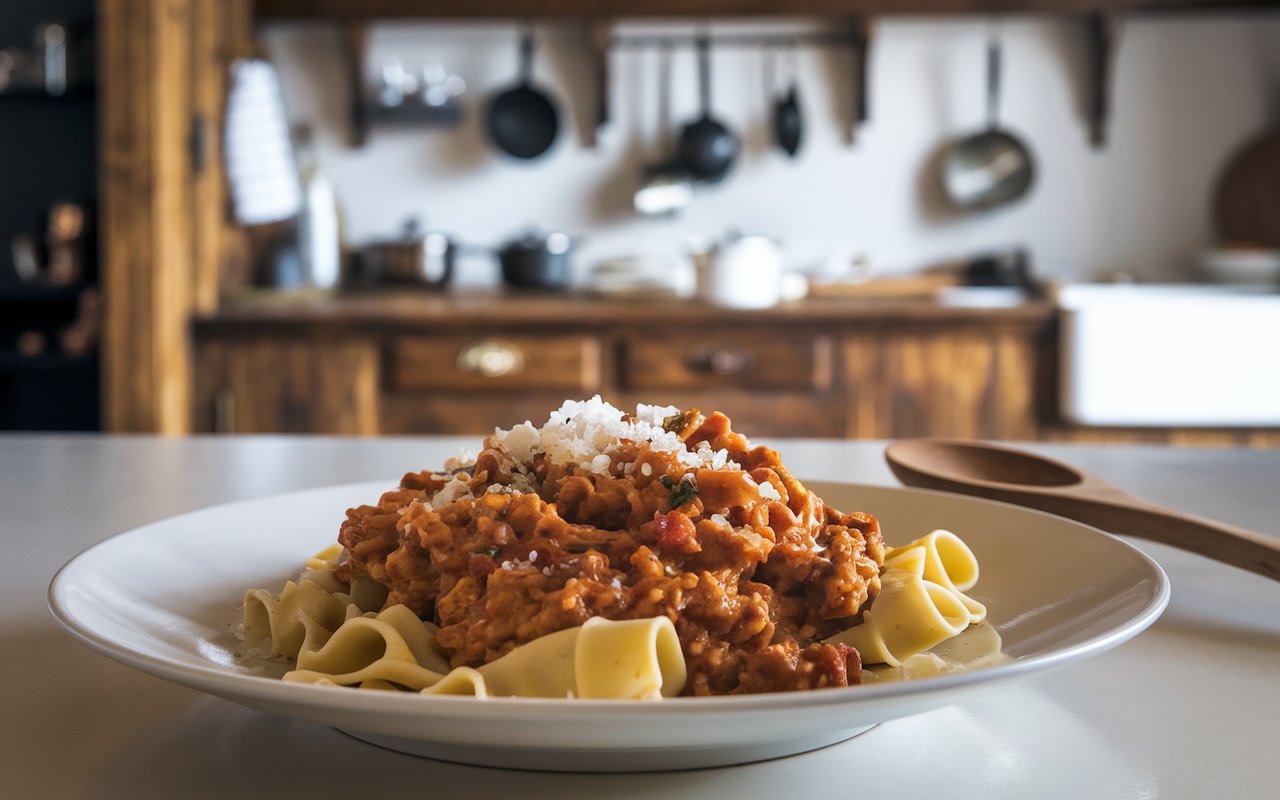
948,562
921,602
303,618
326,558
394,647
635,659
978,646
639,658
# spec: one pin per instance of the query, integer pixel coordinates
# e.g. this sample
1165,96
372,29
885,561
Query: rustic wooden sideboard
465,362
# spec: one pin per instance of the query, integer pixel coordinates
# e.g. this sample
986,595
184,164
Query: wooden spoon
1025,479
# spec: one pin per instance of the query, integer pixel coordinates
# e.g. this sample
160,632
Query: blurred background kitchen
1005,219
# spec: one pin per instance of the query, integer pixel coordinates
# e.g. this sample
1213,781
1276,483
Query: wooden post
147,226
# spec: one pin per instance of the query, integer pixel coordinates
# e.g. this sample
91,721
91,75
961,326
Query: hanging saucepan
707,147
537,261
523,121
993,167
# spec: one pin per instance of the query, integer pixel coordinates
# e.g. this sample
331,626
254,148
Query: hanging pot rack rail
1101,29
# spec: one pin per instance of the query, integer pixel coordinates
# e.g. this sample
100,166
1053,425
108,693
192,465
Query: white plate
165,598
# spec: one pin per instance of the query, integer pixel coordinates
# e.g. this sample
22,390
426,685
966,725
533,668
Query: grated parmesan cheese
769,492
587,432
459,486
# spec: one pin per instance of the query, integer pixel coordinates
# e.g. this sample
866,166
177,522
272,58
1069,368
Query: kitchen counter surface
1188,709
484,307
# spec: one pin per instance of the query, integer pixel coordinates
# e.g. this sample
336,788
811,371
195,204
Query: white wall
1188,90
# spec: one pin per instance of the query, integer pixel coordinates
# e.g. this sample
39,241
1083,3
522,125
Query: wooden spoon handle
1255,552
1115,511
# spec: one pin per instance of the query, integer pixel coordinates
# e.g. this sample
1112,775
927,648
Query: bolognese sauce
604,514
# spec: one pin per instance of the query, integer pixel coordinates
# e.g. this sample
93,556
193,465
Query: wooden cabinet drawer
479,363
749,359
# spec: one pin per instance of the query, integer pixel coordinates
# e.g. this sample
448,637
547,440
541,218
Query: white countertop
1189,709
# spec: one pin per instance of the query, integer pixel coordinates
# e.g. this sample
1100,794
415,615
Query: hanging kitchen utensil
707,148
788,116
523,121
993,167
261,172
860,37
665,185
1028,479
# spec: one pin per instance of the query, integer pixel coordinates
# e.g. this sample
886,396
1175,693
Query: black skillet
523,121
707,147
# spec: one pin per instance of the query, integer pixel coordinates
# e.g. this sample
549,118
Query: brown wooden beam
146,240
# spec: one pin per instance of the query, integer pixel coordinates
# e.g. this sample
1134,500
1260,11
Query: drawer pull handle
720,360
492,359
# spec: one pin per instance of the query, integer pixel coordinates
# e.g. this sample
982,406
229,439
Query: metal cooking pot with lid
537,261
417,258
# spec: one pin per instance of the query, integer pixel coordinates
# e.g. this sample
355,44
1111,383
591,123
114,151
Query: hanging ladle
1026,479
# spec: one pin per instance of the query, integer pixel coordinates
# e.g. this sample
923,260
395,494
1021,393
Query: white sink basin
1186,355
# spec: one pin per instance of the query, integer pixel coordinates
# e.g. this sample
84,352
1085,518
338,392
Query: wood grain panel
466,414
966,385
758,414
481,310
288,386
753,413
499,363
1182,437
144,77
220,31
743,358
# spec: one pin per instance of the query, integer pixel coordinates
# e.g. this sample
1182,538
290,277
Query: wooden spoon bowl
1026,479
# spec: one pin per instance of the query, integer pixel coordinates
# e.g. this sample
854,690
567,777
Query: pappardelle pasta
615,555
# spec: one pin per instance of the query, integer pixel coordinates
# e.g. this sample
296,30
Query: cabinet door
287,386
965,384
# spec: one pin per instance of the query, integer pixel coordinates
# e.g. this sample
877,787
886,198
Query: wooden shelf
475,309
481,9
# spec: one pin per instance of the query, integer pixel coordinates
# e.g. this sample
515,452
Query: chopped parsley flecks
682,491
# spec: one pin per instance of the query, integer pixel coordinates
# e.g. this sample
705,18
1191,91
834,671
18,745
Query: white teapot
742,271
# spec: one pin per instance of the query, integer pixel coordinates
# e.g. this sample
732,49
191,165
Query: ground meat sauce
752,568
